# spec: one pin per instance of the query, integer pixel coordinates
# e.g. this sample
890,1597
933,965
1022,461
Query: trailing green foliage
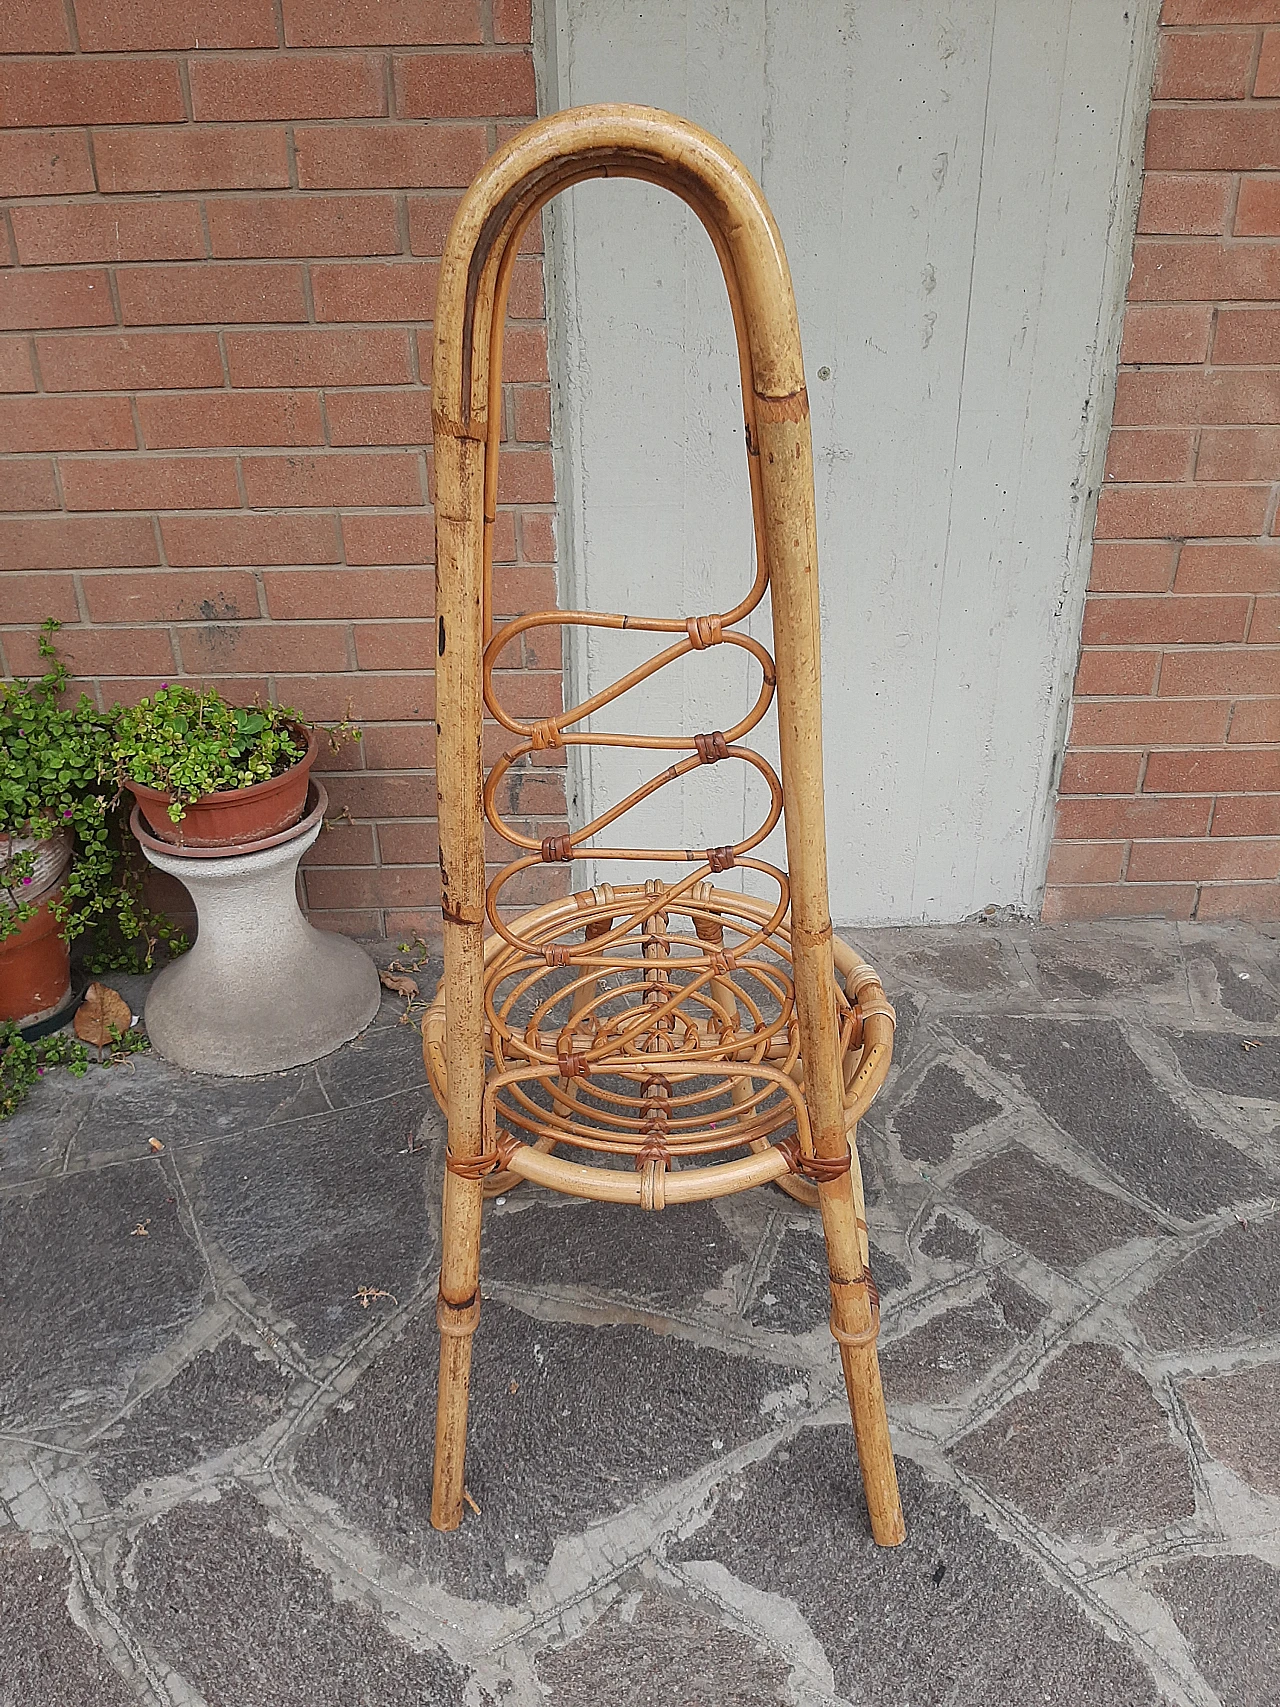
63,764
55,775
188,742
22,1064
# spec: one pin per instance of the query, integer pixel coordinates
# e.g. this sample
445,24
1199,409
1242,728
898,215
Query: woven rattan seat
646,1043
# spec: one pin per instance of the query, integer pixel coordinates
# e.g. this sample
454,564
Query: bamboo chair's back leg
855,1320
457,1312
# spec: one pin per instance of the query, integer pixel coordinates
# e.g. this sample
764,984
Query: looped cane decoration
667,1040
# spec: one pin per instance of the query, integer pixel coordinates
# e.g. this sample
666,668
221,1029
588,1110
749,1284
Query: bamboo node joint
864,1336
458,1321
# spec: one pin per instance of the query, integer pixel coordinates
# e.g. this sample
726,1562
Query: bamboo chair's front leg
457,1312
854,1322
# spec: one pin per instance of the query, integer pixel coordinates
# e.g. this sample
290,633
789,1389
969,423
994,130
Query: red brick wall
217,275
1169,801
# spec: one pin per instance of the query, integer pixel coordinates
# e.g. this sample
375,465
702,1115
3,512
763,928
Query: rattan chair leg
875,1451
457,1312
855,1322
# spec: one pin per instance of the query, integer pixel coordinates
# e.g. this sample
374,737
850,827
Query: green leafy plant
188,742
23,1064
55,775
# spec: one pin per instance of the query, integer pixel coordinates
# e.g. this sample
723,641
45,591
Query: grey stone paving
652,1649
1087,1452
943,1107
1238,1417
217,1375
1060,1219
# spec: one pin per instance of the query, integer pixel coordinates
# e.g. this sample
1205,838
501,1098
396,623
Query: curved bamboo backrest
547,157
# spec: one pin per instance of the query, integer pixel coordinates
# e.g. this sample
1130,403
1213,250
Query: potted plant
226,806
209,775
65,865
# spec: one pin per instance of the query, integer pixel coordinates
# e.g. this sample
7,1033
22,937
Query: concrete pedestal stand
261,989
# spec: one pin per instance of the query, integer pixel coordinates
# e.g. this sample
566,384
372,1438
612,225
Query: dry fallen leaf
365,1295
400,983
514,1387
142,1230
103,1016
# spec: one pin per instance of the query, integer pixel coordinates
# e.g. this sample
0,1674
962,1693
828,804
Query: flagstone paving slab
666,1262
314,1211
954,1614
1239,1419
570,1424
1243,989
942,1107
1226,1292
218,1355
224,1396
656,1650
46,1659
1087,1452
1088,1080
97,1274
1060,1219
238,1610
1226,1061
794,1294
948,1355
1226,1608
947,1238
1074,961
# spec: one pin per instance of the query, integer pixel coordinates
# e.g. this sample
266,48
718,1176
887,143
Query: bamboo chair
660,1028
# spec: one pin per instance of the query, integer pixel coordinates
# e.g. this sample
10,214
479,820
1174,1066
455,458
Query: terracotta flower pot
233,815
52,857
35,968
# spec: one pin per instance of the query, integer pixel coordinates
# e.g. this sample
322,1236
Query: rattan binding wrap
698,1033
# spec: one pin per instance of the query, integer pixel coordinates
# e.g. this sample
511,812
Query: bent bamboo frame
579,1003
